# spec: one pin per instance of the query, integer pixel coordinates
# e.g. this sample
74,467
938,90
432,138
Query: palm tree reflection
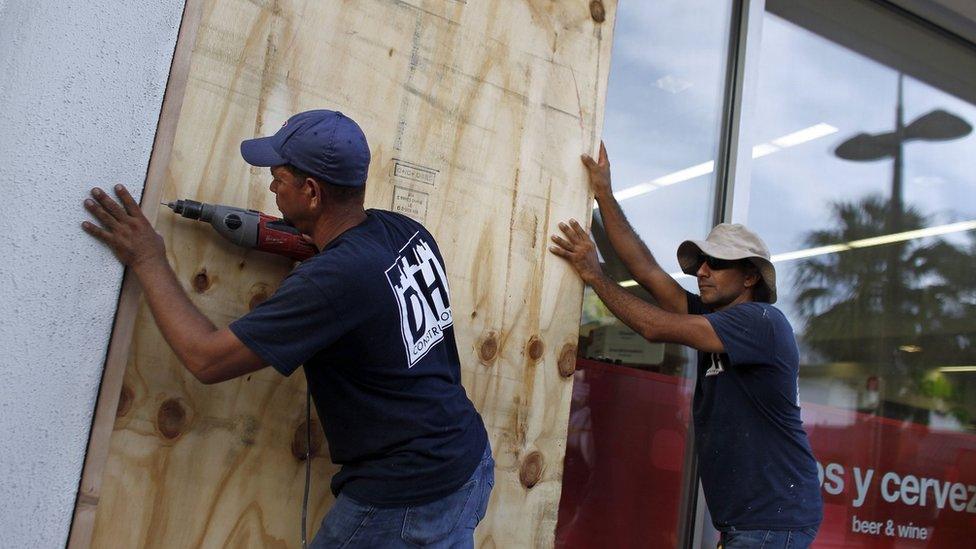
896,324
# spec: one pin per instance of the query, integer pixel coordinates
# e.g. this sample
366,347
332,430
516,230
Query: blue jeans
768,539
446,523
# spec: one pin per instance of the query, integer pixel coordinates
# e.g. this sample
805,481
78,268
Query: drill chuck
191,209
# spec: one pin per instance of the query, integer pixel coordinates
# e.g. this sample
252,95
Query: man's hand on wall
124,228
599,172
577,248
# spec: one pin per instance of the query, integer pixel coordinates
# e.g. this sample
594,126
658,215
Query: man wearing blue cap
369,317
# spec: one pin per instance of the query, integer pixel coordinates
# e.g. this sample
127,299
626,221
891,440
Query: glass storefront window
863,188
625,468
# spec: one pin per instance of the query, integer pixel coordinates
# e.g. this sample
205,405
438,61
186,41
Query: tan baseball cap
730,241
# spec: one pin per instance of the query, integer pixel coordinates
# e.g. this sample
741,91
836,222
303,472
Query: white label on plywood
410,203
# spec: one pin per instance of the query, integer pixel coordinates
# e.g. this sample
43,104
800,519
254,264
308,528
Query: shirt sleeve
292,325
746,332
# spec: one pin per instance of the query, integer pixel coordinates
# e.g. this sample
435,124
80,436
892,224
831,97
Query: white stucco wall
81,84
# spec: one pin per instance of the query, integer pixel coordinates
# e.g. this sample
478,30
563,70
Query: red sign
885,483
890,483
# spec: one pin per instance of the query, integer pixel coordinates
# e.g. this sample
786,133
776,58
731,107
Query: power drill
249,228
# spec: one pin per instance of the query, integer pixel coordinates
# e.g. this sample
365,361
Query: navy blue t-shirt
370,319
757,469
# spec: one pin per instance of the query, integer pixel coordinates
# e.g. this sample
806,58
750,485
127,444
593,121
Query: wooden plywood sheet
476,113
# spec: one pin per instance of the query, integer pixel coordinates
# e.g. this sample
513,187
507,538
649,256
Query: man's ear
752,277
313,192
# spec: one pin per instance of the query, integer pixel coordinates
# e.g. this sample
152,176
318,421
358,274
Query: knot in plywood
171,419
201,281
257,294
567,360
597,11
530,472
535,348
488,349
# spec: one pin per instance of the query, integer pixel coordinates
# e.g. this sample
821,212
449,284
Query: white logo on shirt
716,367
420,286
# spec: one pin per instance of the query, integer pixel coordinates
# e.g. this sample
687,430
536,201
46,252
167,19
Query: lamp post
937,125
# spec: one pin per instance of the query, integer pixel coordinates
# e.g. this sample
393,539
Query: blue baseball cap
326,144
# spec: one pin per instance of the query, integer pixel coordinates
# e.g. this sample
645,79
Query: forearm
184,327
629,247
642,317
637,257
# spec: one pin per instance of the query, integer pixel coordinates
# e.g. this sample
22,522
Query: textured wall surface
81,84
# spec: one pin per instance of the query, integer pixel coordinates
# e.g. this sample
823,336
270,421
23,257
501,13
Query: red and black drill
249,228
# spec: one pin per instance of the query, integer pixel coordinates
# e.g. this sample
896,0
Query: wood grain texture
476,113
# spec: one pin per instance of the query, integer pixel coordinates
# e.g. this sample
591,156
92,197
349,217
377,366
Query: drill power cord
308,460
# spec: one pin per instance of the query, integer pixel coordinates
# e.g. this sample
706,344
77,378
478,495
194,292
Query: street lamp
937,125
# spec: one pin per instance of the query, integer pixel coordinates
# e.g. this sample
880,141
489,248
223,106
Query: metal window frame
956,21
733,167
735,159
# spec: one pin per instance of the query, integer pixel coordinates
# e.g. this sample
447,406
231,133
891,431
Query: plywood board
476,113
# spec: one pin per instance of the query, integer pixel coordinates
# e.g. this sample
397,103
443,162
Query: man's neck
744,297
333,223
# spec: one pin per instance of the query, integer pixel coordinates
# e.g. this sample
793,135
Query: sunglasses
716,264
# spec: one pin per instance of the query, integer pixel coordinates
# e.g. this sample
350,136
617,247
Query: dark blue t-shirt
757,468
370,319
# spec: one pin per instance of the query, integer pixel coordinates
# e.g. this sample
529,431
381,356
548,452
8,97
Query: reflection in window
872,226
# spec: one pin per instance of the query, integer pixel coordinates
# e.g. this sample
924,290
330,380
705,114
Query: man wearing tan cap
757,469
